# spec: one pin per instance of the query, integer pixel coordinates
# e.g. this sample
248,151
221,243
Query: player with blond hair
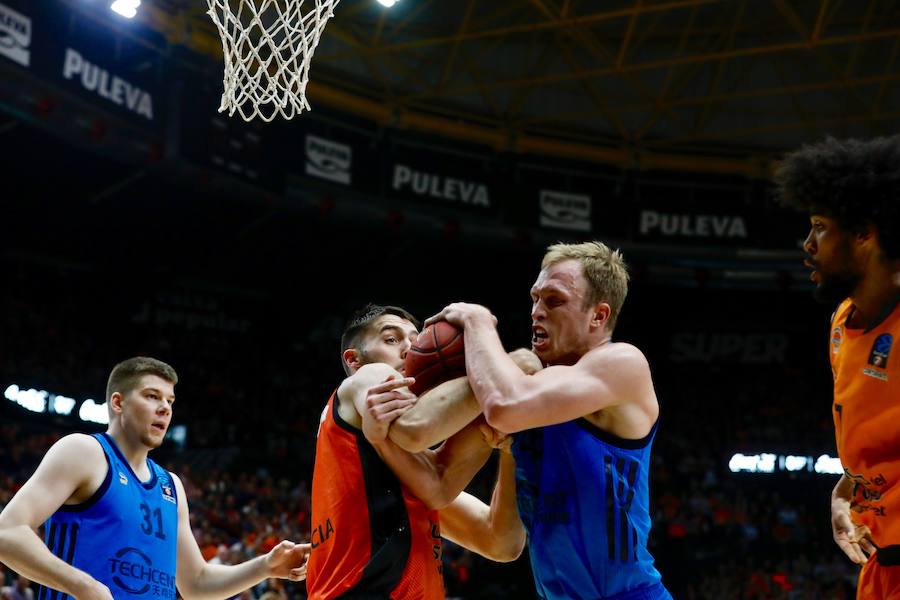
583,427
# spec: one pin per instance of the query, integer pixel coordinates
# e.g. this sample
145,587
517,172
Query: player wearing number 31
117,524
582,427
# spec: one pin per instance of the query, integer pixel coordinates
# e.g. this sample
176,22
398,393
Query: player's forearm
437,415
460,458
842,491
417,472
438,477
496,380
216,582
506,526
25,553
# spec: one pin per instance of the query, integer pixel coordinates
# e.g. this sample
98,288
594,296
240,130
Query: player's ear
867,235
600,314
866,240
115,403
351,358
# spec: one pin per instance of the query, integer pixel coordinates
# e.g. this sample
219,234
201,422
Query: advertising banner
450,181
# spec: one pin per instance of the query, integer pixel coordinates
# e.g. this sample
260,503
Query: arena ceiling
617,78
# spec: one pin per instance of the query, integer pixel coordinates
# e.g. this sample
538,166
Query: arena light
767,462
42,401
177,434
30,399
828,465
795,463
753,463
94,413
388,3
126,8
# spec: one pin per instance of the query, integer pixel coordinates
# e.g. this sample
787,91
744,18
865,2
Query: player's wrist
839,504
267,568
79,584
479,319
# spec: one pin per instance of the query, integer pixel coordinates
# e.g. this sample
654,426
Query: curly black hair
855,182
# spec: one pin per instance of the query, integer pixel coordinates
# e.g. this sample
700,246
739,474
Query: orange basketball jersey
866,413
370,538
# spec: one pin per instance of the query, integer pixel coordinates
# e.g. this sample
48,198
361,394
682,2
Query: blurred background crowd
257,367
449,144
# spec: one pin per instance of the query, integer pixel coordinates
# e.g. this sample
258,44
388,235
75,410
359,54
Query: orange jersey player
378,502
370,534
851,189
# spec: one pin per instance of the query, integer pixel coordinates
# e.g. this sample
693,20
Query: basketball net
268,46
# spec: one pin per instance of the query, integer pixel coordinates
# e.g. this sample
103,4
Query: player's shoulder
76,455
180,493
619,356
77,447
176,481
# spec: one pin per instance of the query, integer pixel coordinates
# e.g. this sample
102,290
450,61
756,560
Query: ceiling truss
752,76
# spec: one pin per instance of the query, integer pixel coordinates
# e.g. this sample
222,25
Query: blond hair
603,268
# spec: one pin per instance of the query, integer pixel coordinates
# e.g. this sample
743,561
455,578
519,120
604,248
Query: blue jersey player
583,427
116,523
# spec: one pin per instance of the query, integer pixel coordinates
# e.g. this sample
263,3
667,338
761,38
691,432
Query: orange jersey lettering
866,369
369,537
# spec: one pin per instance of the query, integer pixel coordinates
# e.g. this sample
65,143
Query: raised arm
72,469
196,579
494,531
447,408
606,376
438,414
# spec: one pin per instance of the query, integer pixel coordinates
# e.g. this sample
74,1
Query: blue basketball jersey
583,496
125,535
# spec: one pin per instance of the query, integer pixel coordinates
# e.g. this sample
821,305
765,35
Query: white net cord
268,46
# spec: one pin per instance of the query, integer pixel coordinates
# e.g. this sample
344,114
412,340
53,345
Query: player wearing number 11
117,524
582,427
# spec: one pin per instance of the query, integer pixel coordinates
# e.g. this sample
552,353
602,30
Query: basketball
437,356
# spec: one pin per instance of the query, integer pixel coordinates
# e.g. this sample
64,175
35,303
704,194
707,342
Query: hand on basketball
385,402
496,439
855,540
288,560
462,313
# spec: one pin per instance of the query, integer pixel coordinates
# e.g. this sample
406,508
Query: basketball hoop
268,46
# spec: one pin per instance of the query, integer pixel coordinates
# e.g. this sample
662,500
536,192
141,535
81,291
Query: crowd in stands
253,400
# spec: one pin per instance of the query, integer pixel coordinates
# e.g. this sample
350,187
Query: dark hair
855,182
126,375
360,321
